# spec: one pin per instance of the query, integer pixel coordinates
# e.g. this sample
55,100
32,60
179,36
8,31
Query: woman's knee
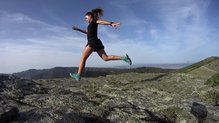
105,58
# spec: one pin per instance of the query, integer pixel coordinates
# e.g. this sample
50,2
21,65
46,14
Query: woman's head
94,13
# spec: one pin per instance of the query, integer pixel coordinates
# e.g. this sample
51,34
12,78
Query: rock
18,88
127,97
199,111
4,77
1,86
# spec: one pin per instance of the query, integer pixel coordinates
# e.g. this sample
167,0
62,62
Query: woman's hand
78,29
75,28
115,24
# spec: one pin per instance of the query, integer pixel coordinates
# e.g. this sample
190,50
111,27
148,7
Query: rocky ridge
128,97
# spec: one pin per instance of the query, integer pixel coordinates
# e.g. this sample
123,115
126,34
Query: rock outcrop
180,97
128,97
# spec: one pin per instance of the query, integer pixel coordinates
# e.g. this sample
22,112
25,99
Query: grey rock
200,111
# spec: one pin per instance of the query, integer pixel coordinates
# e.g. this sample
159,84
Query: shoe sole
129,59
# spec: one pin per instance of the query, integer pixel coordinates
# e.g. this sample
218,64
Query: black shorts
96,45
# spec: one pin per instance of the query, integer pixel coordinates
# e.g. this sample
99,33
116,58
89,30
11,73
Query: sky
37,34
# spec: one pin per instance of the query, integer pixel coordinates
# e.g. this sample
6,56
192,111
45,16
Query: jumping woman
94,44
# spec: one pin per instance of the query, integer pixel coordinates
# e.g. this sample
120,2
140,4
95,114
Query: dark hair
95,13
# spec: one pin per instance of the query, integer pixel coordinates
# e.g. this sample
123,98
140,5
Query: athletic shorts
96,45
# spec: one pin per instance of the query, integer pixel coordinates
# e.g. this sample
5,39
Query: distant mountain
59,72
63,72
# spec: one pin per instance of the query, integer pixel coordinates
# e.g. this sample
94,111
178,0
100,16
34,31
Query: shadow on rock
152,117
155,118
60,116
9,116
86,118
157,78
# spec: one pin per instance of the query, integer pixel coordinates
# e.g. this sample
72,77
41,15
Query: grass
214,80
197,65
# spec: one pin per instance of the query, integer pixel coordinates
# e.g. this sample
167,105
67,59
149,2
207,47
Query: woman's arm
78,29
113,24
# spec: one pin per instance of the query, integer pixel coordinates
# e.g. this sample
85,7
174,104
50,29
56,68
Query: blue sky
37,34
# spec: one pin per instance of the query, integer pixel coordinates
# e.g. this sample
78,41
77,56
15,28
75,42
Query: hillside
203,69
133,97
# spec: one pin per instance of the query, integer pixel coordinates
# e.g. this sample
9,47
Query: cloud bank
152,32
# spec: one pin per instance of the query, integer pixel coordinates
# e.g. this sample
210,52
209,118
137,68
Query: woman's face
88,18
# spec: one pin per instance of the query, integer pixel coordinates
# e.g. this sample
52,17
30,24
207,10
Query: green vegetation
214,80
197,65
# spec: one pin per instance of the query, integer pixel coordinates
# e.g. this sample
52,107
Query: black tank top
92,31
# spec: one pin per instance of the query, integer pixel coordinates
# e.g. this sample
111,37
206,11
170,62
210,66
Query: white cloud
154,33
177,32
52,15
57,46
23,25
109,33
18,18
183,28
180,33
22,57
44,47
183,19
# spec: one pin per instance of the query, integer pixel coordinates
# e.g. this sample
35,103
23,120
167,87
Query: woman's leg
105,57
86,53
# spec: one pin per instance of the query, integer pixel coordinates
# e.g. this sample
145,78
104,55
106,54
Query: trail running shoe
127,59
76,76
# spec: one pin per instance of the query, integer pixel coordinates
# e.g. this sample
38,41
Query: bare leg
86,53
105,57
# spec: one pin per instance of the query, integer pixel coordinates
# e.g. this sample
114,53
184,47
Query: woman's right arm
78,29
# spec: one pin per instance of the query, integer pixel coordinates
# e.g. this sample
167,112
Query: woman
94,43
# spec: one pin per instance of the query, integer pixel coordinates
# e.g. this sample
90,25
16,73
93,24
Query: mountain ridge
198,64
172,97
63,72
204,69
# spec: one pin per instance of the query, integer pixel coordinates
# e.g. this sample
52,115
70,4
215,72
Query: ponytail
95,13
98,12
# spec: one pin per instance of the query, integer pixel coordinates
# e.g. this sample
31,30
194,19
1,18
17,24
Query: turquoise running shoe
127,59
76,76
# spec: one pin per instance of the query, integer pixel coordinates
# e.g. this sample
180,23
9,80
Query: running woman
94,44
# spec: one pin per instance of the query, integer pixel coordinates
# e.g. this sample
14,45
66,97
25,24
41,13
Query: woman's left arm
113,24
